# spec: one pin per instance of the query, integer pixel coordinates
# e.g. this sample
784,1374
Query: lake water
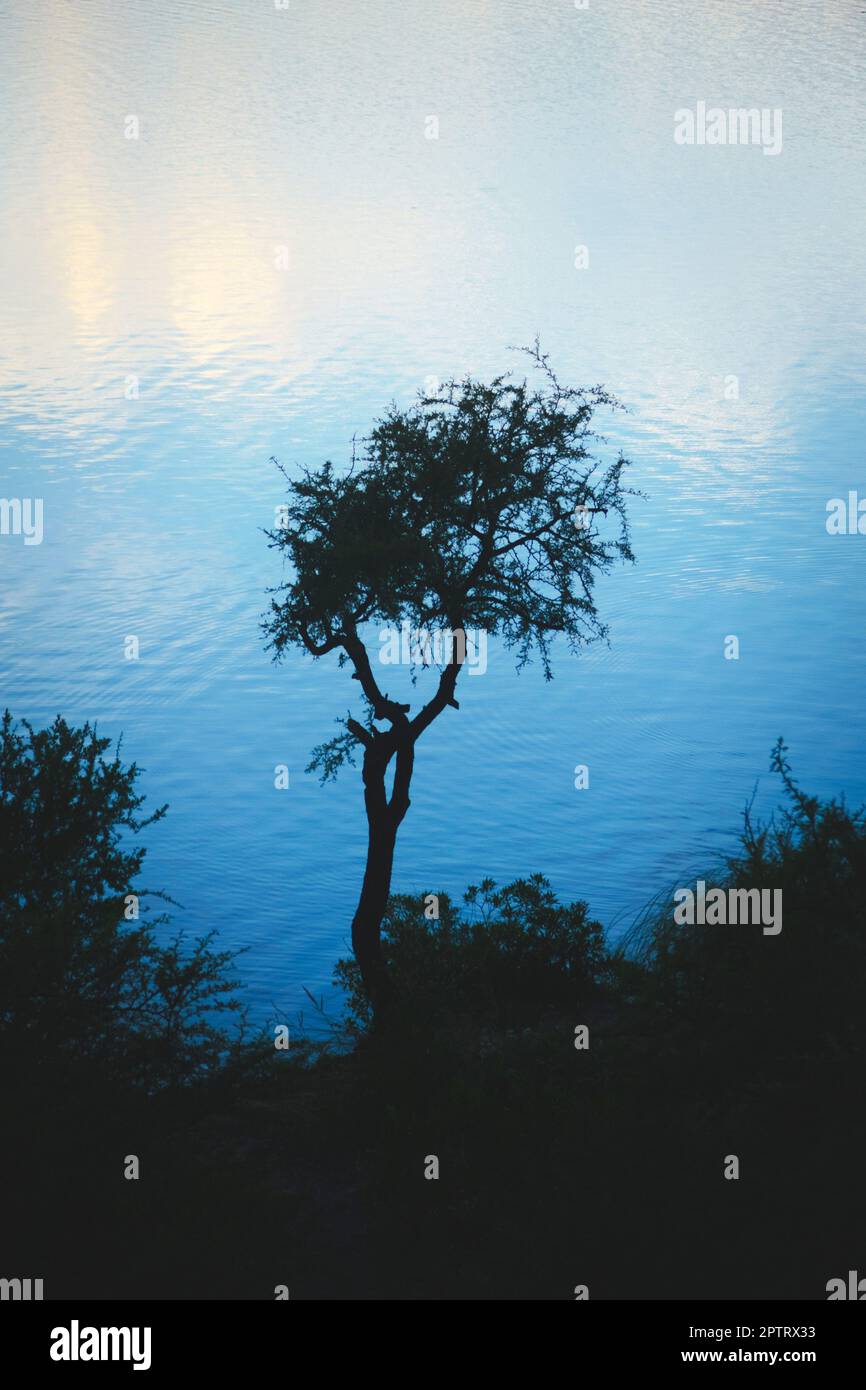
280,252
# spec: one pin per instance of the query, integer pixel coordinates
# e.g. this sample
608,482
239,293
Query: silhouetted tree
81,972
476,508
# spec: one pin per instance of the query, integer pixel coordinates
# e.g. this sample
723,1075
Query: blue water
282,252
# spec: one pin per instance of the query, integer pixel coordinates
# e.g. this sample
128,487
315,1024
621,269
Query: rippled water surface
279,254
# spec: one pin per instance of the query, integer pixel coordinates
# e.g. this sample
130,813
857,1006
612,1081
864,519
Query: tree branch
318,648
399,803
540,531
445,692
361,734
383,708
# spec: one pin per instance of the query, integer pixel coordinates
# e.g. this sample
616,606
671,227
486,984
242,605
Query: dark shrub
82,976
507,956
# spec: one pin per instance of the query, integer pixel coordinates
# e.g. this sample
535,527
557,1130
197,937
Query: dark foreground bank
537,1118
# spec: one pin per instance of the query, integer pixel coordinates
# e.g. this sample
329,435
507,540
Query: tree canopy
482,506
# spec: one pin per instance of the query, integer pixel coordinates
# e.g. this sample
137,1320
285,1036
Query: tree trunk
383,819
367,922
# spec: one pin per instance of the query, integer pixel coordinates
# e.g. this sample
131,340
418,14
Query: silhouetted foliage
509,954
476,508
77,979
755,997
555,1161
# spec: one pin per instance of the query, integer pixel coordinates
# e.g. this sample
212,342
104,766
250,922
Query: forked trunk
383,819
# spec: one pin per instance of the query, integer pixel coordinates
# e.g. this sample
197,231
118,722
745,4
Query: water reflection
279,253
